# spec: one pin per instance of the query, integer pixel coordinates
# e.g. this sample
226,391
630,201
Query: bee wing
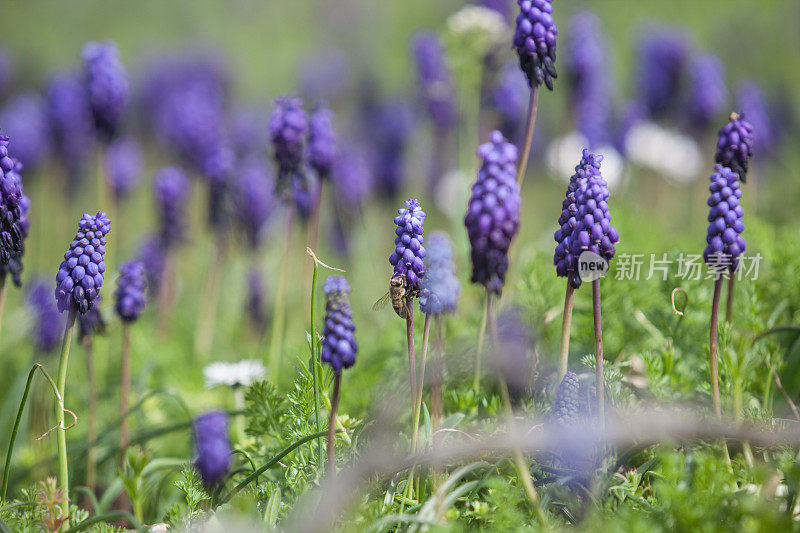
382,301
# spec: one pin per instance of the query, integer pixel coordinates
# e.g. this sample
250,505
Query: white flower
666,152
243,373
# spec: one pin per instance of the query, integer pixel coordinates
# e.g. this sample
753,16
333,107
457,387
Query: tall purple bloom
662,58
388,128
565,261
724,236
71,123
171,190
288,128
10,204
80,275
129,296
123,166
735,145
440,288
321,149
492,216
14,266
753,104
707,90
589,73
213,447
535,42
509,99
351,178
24,119
48,324
433,80
409,254
339,346
254,199
106,84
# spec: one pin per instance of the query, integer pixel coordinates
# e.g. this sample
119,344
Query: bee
398,294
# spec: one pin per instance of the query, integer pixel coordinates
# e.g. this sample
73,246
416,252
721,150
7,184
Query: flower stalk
566,326
63,466
598,351
331,447
530,124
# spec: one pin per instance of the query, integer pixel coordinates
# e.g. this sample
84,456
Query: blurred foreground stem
279,312
332,426
124,389
530,124
598,352
91,430
481,334
566,326
418,399
712,351
314,368
63,466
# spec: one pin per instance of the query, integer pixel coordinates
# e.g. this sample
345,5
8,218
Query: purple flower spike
321,148
288,127
213,447
304,194
388,128
24,119
106,84
565,261
48,324
492,216
409,254
753,104
440,288
591,91
80,275
433,78
735,145
662,58
535,42
707,91
123,165
724,238
11,226
254,199
71,123
339,346
130,300
171,191
152,253
592,229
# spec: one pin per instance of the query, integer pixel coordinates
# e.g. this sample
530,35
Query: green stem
207,308
278,315
314,363
566,325
63,467
598,354
239,405
481,334
2,297
272,462
530,124
91,432
418,402
124,389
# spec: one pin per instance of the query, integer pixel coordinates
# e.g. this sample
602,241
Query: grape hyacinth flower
433,78
351,179
123,166
662,58
753,104
591,90
218,167
535,42
735,145
288,127
213,447
321,149
107,86
339,348
171,191
130,297
14,266
407,258
248,132
324,75
256,305
440,287
152,254
80,275
90,323
24,119
724,246
10,199
47,321
388,127
71,124
492,217
569,418
254,199
707,91
508,100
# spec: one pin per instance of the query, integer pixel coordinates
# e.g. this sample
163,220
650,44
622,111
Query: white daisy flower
241,373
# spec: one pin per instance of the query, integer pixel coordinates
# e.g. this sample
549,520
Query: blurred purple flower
48,323
213,447
71,124
388,128
248,130
752,104
123,166
152,254
24,119
434,81
171,190
254,199
321,148
106,85
707,91
660,71
129,296
324,75
509,99
351,179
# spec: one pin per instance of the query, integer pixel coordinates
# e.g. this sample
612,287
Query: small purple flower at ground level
571,424
440,287
48,324
433,79
535,42
735,145
409,254
129,296
71,123
339,346
753,104
565,261
123,166
288,127
10,204
24,119
212,446
321,148
106,84
662,61
171,190
724,236
707,90
80,275
492,217
254,199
